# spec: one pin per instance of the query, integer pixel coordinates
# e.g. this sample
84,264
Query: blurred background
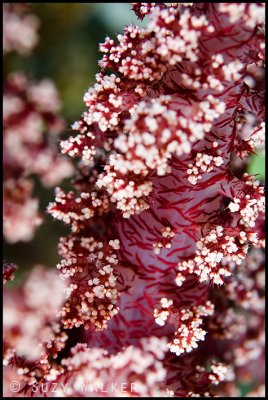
67,53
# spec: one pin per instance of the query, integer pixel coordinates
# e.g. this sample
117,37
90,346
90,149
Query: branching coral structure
163,267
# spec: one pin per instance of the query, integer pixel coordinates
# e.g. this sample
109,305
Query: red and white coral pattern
187,322
177,87
168,119
92,294
215,253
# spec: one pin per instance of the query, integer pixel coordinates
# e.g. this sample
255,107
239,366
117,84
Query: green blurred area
257,165
67,53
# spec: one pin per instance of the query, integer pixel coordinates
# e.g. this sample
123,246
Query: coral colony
19,28
162,274
31,123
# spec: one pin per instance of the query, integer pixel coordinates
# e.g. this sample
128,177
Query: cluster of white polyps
187,323
105,112
92,294
150,136
166,240
251,203
204,163
219,372
77,210
155,131
144,54
80,145
135,371
127,192
215,253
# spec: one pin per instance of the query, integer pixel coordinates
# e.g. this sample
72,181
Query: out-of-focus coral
19,28
21,216
31,125
134,372
32,332
29,313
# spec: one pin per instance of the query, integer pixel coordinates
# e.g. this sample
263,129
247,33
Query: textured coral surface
164,264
